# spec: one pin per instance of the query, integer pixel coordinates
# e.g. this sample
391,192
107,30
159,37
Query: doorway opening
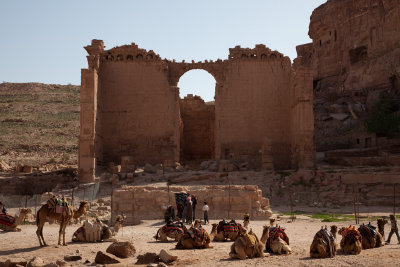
197,111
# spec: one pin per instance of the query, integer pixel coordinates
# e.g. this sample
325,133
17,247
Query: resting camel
195,238
370,237
324,243
106,232
172,230
224,231
351,240
381,226
247,245
278,241
12,226
45,213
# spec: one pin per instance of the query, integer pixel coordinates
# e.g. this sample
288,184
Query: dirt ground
25,245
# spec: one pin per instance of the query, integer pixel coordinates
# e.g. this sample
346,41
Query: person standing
194,203
205,210
394,230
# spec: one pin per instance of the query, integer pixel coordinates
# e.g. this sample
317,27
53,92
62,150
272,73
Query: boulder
340,116
14,262
122,249
162,264
36,262
61,263
148,258
102,258
166,257
72,257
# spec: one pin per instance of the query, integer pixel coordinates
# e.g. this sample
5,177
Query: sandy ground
25,245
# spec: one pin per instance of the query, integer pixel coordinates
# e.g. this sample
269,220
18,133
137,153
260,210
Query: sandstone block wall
150,202
198,133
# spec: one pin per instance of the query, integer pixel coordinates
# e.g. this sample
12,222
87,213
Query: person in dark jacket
3,208
394,230
194,203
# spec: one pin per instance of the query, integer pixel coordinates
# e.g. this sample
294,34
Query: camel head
197,223
214,227
120,219
272,221
334,230
265,233
341,230
246,217
25,211
382,221
83,204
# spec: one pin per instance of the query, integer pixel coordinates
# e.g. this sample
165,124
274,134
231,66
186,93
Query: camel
247,245
105,233
194,238
45,212
324,245
272,222
246,221
224,231
278,241
351,240
381,226
370,237
172,230
10,224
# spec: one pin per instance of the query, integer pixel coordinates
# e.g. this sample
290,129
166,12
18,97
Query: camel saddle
328,239
275,233
199,234
368,231
229,227
7,219
172,227
249,240
350,234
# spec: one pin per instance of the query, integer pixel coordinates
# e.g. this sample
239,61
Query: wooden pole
291,205
354,202
394,199
229,194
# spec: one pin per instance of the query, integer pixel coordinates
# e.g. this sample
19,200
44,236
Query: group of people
189,210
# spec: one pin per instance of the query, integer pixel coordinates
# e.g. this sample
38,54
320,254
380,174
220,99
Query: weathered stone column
89,87
303,147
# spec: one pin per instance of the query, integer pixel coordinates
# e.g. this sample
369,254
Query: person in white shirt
206,209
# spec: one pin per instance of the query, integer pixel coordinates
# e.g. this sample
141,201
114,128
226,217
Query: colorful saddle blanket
59,206
350,234
173,227
229,227
275,233
198,234
7,219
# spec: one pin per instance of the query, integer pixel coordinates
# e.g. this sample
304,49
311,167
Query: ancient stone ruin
148,202
130,106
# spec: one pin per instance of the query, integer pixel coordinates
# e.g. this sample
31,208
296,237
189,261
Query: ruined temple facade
130,106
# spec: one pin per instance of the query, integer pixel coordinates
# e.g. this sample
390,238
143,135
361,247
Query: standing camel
45,212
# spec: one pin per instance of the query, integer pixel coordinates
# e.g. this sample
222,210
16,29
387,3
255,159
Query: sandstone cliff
355,54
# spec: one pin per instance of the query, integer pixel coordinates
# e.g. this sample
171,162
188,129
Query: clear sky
42,40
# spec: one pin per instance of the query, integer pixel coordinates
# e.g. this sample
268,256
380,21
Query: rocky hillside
39,123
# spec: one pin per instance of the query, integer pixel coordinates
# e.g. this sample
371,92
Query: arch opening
197,111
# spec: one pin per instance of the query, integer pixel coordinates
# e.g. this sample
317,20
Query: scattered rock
122,249
166,257
35,262
51,264
148,258
72,257
162,264
14,262
61,263
102,258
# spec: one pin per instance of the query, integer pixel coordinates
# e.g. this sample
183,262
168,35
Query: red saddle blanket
274,234
172,228
7,219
